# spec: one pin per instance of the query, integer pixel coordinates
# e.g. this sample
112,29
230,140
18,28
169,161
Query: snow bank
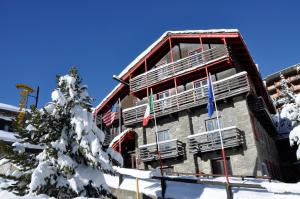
180,190
142,174
282,187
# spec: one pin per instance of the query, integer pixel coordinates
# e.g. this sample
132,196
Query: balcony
179,67
210,141
168,149
224,88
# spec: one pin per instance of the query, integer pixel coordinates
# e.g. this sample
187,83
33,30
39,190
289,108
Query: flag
149,110
210,105
109,117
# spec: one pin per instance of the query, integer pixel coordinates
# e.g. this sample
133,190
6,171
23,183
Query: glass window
163,136
212,124
200,88
164,103
6,128
217,166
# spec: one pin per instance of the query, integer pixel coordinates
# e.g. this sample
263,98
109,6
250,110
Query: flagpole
120,123
156,137
220,133
162,181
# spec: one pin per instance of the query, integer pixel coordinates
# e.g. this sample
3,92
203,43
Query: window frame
164,146
216,123
222,169
199,91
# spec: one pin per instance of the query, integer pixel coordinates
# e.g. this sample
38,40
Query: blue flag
210,105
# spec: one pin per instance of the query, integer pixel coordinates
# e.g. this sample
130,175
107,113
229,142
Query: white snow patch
82,177
119,136
9,107
6,118
42,171
8,136
115,155
276,187
4,161
137,173
18,147
58,97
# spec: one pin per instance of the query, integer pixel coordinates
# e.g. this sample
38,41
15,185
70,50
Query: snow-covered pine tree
288,120
16,154
73,160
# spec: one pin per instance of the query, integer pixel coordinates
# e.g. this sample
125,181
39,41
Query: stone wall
244,160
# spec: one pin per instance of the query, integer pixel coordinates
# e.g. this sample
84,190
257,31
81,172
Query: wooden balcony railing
168,149
224,88
181,66
210,141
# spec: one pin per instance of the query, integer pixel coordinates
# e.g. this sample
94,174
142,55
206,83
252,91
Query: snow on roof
6,118
105,98
11,137
119,136
282,71
145,52
8,136
8,107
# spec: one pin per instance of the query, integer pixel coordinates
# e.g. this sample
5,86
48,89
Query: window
217,166
163,136
200,88
164,103
6,128
212,124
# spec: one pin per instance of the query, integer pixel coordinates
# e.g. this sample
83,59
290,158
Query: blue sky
39,39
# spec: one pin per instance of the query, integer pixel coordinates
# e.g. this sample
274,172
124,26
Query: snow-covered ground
179,190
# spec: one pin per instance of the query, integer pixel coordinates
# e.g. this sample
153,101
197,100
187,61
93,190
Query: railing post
176,147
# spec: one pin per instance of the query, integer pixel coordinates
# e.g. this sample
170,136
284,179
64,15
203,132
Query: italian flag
148,111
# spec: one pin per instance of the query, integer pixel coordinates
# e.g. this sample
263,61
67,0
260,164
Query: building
289,78
291,75
175,68
7,114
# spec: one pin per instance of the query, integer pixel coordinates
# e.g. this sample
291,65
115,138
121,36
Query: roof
283,71
9,107
167,33
12,137
152,46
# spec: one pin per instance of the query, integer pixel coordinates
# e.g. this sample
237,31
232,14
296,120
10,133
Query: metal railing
178,67
224,88
168,149
210,141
